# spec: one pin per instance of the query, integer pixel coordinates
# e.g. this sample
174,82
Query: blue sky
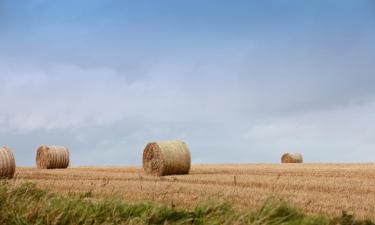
239,81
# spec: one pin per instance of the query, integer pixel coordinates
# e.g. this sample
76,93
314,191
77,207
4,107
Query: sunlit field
315,188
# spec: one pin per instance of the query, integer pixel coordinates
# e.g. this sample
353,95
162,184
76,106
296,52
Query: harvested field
327,188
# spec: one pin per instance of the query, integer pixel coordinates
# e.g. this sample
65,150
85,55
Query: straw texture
166,158
52,157
7,163
292,158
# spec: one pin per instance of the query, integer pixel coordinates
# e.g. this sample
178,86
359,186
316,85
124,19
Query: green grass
27,204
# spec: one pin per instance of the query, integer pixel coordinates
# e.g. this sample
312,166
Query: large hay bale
52,157
7,163
292,158
166,158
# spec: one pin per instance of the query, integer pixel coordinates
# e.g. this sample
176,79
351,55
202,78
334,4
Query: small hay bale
52,157
7,163
291,158
166,158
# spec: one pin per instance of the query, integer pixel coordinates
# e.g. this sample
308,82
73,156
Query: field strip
331,188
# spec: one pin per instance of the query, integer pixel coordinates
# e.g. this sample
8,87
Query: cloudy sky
239,81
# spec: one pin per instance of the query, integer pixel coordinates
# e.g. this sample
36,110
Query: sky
238,81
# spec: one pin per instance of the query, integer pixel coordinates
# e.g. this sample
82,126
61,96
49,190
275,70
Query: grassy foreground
27,204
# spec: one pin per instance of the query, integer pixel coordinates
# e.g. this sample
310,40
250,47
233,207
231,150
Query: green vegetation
27,204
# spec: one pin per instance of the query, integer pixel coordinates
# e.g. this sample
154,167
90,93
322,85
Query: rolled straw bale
292,158
166,158
52,157
7,163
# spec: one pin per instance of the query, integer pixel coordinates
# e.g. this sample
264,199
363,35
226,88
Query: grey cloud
236,88
234,108
342,134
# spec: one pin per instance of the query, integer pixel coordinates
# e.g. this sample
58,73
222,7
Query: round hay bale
7,163
166,158
291,158
52,157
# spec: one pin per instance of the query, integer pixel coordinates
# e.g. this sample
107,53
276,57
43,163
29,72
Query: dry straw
292,158
166,158
52,157
7,163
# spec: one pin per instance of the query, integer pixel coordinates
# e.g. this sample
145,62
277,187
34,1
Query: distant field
327,188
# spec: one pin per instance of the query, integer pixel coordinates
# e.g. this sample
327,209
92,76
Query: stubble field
316,188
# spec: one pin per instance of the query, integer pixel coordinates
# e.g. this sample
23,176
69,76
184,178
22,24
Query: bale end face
152,159
42,159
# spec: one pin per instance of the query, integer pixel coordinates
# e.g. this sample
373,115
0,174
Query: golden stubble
327,188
